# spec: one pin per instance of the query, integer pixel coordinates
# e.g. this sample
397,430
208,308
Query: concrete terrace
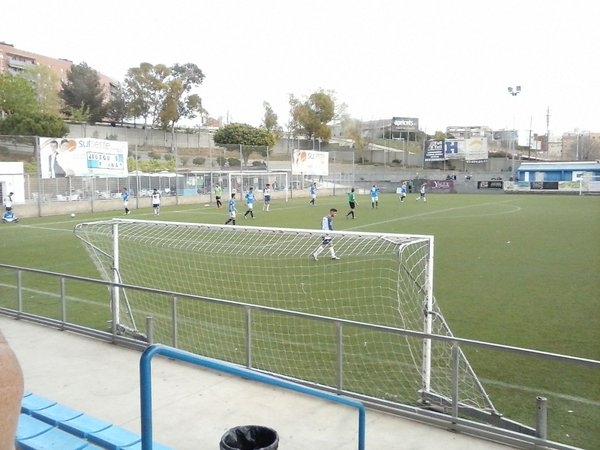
193,406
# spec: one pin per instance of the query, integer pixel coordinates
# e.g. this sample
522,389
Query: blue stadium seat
138,446
32,402
45,424
53,439
84,425
114,438
29,427
56,413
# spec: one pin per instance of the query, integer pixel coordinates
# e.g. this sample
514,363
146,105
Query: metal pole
541,418
137,177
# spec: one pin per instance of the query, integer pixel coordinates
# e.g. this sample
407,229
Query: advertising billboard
405,124
82,157
310,162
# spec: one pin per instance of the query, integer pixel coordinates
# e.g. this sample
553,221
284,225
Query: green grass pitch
520,270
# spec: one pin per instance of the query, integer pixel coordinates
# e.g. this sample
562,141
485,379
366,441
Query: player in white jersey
422,193
326,240
266,197
155,198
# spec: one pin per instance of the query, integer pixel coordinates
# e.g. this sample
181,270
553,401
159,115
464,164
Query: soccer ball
72,214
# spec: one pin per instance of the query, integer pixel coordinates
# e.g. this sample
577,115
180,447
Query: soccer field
520,270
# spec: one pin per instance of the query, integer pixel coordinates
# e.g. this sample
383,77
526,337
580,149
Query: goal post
242,181
380,279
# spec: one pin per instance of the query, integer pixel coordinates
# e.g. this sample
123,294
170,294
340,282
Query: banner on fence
476,150
434,151
310,162
82,157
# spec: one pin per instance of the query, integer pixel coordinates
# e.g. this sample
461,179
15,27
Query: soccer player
8,201
125,198
231,209
312,192
218,194
403,192
352,202
422,193
155,197
375,196
249,202
9,216
326,240
266,197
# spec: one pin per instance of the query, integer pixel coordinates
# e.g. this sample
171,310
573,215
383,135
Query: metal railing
22,309
157,349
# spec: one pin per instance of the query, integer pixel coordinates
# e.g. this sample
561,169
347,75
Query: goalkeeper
326,225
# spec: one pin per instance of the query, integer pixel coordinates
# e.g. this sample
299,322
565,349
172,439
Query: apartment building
13,60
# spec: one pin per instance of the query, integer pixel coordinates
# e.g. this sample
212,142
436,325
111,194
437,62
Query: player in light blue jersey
375,196
125,198
326,240
9,217
312,192
231,210
249,203
403,189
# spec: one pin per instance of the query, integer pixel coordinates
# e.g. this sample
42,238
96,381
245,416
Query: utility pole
547,131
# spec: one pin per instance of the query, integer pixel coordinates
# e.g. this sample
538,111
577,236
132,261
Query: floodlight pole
514,91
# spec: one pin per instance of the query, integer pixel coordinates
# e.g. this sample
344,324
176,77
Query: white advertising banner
476,150
82,157
310,162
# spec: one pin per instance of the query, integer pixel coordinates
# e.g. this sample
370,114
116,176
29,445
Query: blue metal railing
170,352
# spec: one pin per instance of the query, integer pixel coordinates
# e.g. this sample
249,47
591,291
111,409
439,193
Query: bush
199,161
153,155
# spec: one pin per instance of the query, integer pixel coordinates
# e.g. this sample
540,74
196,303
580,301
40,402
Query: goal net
380,279
240,182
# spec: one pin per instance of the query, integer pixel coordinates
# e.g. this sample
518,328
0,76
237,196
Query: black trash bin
250,437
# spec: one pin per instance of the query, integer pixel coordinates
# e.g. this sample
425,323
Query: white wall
12,180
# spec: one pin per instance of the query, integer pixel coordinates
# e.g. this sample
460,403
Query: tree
269,119
45,82
16,95
34,124
180,102
81,116
312,116
20,113
270,124
246,136
145,91
116,108
83,87
353,131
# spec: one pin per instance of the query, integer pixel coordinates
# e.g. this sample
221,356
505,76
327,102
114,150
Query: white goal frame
382,279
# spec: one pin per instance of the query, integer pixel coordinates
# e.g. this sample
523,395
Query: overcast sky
447,63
